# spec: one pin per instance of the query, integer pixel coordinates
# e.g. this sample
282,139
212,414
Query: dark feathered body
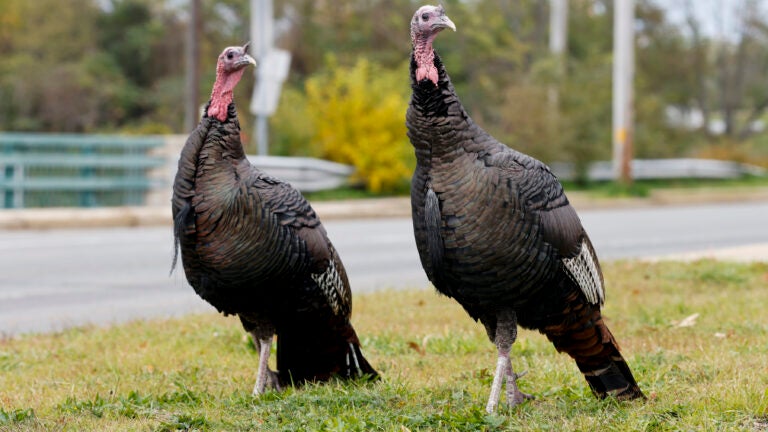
252,246
496,232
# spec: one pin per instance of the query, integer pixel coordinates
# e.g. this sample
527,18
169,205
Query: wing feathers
432,224
584,270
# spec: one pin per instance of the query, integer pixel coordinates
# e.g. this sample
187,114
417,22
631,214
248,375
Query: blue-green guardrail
46,170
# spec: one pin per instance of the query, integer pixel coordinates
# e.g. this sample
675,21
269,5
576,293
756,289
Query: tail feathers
613,380
584,336
312,355
358,365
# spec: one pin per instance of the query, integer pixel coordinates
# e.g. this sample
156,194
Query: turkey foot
514,395
505,335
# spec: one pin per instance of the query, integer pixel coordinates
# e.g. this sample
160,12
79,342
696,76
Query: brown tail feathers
583,335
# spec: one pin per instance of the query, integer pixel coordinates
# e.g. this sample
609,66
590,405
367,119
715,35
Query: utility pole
558,36
623,74
558,26
191,113
262,38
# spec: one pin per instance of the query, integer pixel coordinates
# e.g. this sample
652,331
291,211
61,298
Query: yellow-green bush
291,129
358,117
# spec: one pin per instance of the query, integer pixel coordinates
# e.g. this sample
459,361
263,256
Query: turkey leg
498,377
506,334
264,374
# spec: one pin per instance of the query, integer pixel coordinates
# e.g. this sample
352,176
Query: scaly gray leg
264,374
498,378
506,334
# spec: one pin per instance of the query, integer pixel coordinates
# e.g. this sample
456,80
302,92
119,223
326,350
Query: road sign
272,71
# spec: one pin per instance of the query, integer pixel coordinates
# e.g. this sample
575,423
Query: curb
53,218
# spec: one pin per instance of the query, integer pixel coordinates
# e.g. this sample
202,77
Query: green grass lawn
196,373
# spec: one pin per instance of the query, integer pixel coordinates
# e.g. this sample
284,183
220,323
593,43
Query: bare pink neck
424,55
221,96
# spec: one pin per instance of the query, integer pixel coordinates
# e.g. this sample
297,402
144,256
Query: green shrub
358,117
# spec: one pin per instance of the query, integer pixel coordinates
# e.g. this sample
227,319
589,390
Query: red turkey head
235,58
428,21
229,69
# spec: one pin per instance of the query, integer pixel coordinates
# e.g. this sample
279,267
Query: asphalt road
54,279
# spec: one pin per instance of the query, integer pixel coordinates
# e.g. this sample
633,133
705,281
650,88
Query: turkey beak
246,59
444,22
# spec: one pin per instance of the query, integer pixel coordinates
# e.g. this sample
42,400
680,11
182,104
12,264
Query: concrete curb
749,253
52,218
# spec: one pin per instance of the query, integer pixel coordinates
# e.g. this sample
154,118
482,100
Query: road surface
53,279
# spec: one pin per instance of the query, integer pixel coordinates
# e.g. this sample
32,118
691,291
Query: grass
196,373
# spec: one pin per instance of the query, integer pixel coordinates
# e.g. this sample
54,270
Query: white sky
718,18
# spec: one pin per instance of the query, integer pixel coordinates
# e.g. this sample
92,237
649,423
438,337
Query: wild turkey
495,232
252,246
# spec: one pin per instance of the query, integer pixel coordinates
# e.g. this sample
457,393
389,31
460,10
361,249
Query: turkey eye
229,55
424,17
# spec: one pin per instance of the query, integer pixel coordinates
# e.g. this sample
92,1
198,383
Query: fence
44,170
66,170
303,173
73,170
654,169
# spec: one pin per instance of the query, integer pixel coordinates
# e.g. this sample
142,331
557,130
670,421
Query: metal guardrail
101,170
653,169
303,173
76,170
66,170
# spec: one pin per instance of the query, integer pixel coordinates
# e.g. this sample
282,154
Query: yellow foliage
744,152
359,119
10,22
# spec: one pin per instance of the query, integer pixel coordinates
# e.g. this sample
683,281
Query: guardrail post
133,197
18,191
87,197
8,192
13,197
160,195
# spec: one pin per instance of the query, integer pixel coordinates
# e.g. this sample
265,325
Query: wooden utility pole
623,75
558,36
192,111
558,26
